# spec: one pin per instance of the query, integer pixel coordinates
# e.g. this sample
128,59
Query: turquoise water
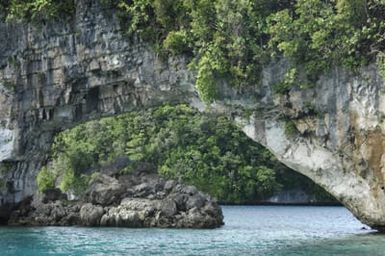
249,230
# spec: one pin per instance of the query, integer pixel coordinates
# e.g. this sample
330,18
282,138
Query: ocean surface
249,230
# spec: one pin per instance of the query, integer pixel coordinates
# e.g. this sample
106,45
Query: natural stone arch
338,140
50,78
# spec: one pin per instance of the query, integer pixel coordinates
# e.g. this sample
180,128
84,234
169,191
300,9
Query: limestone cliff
65,72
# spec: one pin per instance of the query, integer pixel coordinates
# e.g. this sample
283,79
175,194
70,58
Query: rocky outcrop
90,214
65,72
137,200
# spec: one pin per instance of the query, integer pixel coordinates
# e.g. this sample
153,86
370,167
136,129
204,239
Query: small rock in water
141,199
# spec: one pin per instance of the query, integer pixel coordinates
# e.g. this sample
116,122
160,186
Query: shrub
33,10
46,179
176,42
290,128
77,184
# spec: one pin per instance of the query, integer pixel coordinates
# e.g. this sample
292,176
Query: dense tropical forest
203,150
232,40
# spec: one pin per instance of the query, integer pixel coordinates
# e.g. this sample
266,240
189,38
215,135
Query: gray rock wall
68,71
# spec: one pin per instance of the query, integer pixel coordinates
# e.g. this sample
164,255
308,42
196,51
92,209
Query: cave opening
5,213
92,100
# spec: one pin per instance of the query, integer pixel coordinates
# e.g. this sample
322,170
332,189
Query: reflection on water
249,230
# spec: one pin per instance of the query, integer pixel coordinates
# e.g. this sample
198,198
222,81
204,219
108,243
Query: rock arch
63,73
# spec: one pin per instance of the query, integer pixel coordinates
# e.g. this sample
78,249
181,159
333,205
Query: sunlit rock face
65,72
7,131
6,143
333,133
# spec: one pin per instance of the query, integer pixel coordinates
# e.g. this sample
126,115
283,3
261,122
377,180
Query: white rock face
275,137
7,138
7,135
339,143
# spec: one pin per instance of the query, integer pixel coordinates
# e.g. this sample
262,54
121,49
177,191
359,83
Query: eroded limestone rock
90,214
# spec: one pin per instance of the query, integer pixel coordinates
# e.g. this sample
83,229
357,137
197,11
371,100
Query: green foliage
45,179
32,10
352,11
265,181
176,42
75,183
218,159
227,39
137,15
208,152
290,128
321,34
288,82
68,180
208,71
381,64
